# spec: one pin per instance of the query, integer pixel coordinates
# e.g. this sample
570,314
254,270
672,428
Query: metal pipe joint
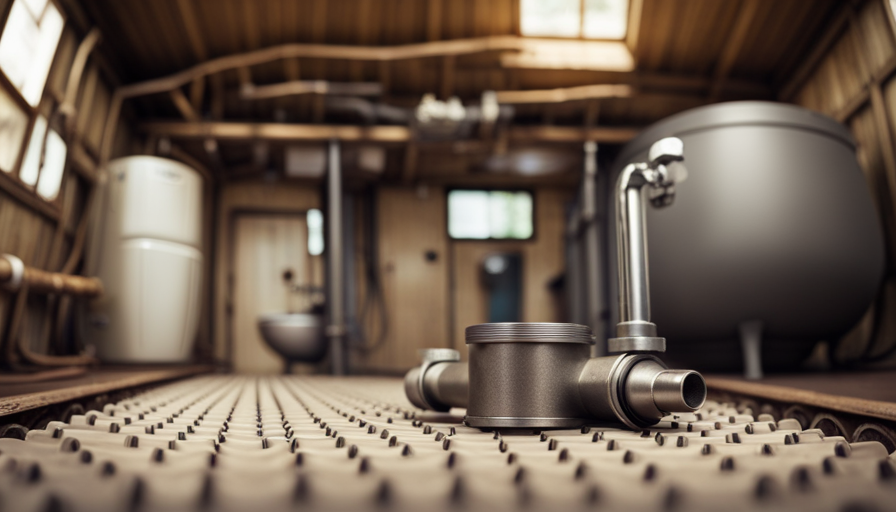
540,375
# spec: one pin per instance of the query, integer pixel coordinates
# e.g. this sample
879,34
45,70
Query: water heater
773,235
146,250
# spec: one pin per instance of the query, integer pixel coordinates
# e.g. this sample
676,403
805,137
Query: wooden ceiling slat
251,20
163,33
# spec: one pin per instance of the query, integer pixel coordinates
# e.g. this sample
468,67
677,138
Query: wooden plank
821,50
28,198
448,68
884,130
561,95
349,52
194,34
297,87
733,45
384,134
94,383
433,20
183,105
275,131
789,395
572,134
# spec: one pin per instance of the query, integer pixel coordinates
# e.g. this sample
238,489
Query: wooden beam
348,52
183,105
733,46
605,135
275,131
383,134
585,92
197,91
819,52
28,198
298,87
84,164
635,7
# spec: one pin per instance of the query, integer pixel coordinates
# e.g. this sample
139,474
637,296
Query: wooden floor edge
18,403
846,404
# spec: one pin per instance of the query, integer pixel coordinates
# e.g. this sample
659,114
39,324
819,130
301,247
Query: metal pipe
592,247
336,331
635,331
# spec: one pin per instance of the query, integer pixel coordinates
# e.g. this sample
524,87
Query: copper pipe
41,281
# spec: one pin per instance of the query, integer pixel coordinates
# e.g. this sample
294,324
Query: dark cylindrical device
540,376
774,227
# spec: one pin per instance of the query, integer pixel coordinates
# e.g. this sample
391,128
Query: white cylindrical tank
146,250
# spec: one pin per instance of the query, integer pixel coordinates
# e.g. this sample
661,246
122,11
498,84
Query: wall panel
850,83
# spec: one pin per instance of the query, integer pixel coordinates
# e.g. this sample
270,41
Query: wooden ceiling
687,53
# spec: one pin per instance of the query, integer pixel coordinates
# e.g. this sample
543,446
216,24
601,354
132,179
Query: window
495,214
28,45
13,125
315,221
589,19
49,176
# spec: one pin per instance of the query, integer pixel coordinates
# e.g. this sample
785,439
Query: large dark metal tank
774,223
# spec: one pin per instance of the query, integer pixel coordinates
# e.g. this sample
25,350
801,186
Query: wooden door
265,246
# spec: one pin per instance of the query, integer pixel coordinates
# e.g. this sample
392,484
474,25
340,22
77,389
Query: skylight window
588,19
496,214
28,45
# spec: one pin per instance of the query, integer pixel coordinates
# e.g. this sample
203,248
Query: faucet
635,332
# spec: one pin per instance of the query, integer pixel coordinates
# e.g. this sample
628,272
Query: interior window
49,176
590,19
13,125
495,214
28,44
315,221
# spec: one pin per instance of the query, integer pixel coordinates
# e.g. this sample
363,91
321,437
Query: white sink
297,337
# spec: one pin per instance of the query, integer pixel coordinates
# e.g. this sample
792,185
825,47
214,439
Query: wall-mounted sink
297,337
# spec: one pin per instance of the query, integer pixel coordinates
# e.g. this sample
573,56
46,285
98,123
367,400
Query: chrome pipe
635,332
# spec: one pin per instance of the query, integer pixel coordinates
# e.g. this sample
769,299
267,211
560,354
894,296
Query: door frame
232,218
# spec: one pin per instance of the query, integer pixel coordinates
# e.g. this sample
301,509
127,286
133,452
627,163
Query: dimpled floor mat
237,443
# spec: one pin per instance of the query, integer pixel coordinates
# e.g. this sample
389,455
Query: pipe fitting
540,376
16,274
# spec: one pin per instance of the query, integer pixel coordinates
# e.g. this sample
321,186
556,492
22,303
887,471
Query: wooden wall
850,77
411,221
543,260
41,232
430,303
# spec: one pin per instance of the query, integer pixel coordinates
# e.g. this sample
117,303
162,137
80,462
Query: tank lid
529,332
734,113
